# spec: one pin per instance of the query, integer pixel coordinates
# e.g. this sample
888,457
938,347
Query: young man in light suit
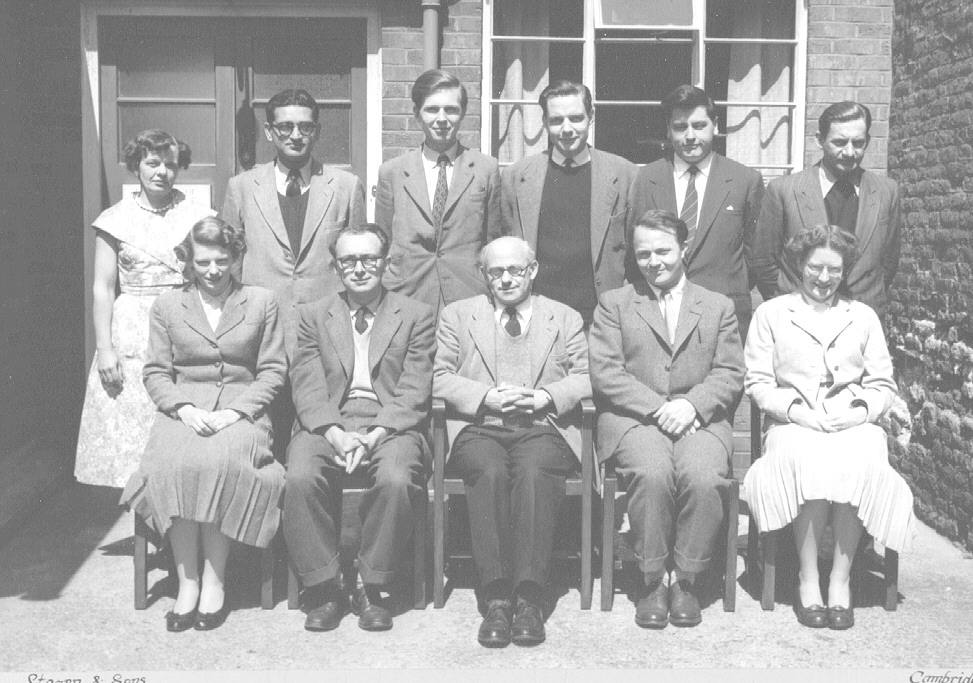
835,191
439,203
513,369
666,369
570,204
362,379
718,198
291,208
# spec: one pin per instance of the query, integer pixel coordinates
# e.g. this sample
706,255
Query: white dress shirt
281,173
361,381
680,174
430,159
826,184
524,311
675,292
580,159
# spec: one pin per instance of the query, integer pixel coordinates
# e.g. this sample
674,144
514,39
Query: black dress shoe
180,622
813,616
495,629
684,605
528,624
207,621
325,607
372,615
652,609
841,618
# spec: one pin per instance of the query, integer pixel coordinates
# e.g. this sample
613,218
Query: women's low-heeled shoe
207,621
841,618
180,622
814,616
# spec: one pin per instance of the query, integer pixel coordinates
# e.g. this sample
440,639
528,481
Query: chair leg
419,558
141,569
608,543
587,578
439,550
891,580
730,569
769,570
753,550
268,560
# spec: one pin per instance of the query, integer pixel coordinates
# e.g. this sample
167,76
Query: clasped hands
820,421
677,418
351,448
508,399
205,422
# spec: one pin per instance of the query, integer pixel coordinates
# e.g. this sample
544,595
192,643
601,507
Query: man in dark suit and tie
362,379
513,369
666,369
439,203
290,209
570,204
718,199
835,191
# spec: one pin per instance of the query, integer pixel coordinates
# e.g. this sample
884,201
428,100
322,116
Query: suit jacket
720,258
430,265
634,368
336,199
523,184
790,351
466,362
240,366
400,354
795,201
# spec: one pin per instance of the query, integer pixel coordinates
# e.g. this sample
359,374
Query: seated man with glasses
361,377
513,369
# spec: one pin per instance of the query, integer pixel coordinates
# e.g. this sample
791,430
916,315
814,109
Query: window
747,54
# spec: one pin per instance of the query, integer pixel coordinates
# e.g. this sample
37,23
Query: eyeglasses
834,272
514,271
286,128
368,261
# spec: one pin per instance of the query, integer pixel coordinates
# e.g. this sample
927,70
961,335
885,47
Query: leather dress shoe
495,629
684,605
841,618
372,616
813,616
325,608
207,621
652,609
528,624
180,622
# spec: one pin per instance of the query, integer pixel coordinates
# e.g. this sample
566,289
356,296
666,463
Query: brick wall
460,53
930,154
849,58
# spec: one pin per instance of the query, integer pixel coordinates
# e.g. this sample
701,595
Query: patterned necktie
690,205
361,325
670,314
513,323
439,199
293,183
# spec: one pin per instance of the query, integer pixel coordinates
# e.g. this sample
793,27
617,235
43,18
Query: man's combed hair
839,112
361,229
291,98
565,88
433,80
665,221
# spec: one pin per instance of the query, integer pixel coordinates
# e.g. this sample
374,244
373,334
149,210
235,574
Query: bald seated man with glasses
361,378
512,367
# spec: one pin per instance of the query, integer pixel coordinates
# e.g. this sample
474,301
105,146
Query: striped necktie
439,198
690,206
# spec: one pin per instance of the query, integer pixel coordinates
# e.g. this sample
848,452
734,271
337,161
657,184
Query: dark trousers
282,415
514,488
395,477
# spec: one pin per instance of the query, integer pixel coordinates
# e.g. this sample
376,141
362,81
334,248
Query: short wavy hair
800,247
157,142
210,232
566,88
291,98
666,221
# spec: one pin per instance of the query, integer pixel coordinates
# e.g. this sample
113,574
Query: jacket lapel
543,332
690,311
717,187
415,182
339,332
483,334
384,327
461,180
320,196
604,193
867,210
265,196
234,311
804,318
193,314
810,203
647,308
530,185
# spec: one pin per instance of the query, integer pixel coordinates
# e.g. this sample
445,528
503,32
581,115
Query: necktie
513,323
293,183
569,163
841,209
439,199
361,325
670,314
690,205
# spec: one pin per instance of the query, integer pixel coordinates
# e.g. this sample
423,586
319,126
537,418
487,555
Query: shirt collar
680,165
372,306
579,159
432,157
282,172
676,289
827,184
523,308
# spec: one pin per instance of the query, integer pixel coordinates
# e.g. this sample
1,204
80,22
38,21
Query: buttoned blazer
466,362
400,352
788,350
336,199
720,257
239,366
522,187
429,264
793,202
635,370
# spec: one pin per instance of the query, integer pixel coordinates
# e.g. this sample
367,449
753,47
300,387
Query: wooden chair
767,566
443,488
144,562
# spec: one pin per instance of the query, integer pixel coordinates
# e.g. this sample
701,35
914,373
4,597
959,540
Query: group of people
293,346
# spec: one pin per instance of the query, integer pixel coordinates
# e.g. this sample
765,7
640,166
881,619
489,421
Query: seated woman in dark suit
819,368
215,362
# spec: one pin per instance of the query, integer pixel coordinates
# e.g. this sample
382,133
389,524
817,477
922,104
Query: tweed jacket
400,352
635,370
433,265
522,189
790,353
795,201
466,362
240,366
336,199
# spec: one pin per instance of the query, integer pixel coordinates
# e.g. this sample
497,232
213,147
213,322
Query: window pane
636,133
194,124
750,19
163,57
641,71
646,12
556,18
333,145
